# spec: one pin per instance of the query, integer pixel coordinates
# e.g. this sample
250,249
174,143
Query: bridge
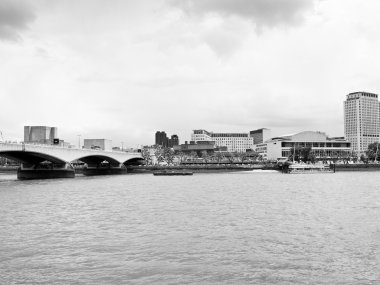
50,161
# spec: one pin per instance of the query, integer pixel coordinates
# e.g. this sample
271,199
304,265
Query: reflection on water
230,228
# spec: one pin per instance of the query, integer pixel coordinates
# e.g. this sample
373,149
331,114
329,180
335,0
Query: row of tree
297,153
306,154
167,155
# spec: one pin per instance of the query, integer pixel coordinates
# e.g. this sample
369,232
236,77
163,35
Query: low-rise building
234,142
199,147
101,144
279,148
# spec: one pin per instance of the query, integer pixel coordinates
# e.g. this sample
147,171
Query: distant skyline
123,70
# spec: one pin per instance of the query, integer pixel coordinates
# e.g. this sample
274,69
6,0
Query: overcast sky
124,69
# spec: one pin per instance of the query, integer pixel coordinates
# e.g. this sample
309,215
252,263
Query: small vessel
309,168
172,172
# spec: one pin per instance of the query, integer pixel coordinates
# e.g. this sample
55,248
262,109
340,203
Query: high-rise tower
361,120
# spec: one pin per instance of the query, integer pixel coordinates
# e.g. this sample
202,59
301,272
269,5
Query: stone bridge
32,155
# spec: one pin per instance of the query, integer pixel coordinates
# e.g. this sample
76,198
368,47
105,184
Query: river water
225,228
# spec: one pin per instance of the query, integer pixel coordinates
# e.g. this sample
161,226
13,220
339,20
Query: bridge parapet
68,154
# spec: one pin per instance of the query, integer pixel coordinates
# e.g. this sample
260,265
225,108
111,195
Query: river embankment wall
222,168
357,167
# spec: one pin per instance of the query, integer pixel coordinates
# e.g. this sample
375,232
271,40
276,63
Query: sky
123,69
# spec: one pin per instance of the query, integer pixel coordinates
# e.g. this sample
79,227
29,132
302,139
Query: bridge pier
45,171
104,169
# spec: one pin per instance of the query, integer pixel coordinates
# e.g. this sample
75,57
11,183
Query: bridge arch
98,159
31,157
134,161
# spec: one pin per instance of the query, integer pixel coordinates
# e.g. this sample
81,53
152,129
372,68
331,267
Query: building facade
40,134
260,135
162,139
102,144
361,120
173,141
279,148
235,142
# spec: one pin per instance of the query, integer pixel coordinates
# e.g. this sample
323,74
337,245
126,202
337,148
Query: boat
309,168
172,172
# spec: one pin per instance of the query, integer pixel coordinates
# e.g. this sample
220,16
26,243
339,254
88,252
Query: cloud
264,13
15,16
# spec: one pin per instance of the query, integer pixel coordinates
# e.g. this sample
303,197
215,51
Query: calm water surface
231,228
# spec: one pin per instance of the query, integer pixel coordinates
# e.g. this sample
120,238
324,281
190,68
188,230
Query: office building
279,148
199,147
161,139
361,120
173,141
40,134
260,135
99,144
235,142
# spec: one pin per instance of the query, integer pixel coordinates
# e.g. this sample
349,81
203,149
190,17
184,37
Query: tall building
40,134
164,141
361,120
161,139
238,142
174,140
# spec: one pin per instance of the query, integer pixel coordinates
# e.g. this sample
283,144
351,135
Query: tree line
169,156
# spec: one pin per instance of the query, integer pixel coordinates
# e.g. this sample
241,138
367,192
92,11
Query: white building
102,144
361,120
235,142
279,148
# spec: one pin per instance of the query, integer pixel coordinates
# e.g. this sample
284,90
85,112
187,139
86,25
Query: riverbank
201,168
219,168
358,167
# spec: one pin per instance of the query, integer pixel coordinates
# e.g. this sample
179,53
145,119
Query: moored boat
309,168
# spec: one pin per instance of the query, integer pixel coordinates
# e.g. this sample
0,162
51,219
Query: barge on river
172,172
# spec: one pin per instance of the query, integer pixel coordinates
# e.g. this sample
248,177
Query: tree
181,156
373,152
299,153
242,156
145,153
205,155
193,155
230,157
168,155
354,157
219,156
253,155
158,153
